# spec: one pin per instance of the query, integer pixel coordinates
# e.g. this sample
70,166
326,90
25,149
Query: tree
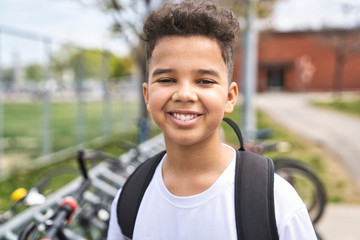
34,72
120,66
61,61
264,8
89,63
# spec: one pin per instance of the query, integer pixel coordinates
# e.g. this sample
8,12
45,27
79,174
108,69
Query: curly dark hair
190,18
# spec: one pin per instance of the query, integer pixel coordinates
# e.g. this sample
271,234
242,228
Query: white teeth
183,117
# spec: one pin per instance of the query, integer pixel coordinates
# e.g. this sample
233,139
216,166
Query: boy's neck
207,152
188,170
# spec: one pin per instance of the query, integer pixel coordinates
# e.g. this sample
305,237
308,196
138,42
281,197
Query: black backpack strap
132,193
254,197
254,193
237,131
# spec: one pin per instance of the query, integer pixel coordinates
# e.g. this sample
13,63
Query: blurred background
71,74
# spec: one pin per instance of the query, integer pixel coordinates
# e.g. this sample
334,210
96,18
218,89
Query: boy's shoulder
287,200
132,192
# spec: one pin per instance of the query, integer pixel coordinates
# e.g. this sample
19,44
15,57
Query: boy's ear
232,98
145,87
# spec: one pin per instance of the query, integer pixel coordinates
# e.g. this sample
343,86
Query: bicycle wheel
305,182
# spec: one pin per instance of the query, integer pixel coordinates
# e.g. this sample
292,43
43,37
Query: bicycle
95,214
36,195
92,199
120,169
306,184
53,227
296,172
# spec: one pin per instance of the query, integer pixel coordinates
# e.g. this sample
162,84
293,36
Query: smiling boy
187,95
191,195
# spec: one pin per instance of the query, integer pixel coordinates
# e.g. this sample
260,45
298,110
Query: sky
314,14
71,21
62,21
66,20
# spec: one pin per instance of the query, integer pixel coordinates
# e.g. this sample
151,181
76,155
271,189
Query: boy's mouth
184,116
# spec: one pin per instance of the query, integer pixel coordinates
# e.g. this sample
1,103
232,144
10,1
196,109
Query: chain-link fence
55,97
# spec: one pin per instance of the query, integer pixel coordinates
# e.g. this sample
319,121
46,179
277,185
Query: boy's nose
185,93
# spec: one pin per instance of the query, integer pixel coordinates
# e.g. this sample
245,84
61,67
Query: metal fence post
80,123
47,136
106,119
1,107
250,72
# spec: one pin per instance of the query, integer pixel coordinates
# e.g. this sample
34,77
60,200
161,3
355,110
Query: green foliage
120,66
61,60
90,63
351,106
264,8
34,72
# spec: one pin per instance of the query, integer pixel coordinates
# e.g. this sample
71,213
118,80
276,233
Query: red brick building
306,61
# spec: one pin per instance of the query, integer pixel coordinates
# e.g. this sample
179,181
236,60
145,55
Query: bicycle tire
306,183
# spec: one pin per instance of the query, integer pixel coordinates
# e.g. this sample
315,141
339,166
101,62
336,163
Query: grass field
349,106
23,126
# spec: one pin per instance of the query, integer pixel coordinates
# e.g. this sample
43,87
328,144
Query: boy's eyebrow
160,71
209,72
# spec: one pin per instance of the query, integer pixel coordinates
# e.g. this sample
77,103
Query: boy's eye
206,81
166,80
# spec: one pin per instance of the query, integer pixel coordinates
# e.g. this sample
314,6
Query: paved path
339,133
340,222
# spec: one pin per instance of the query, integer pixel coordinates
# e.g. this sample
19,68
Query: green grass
342,105
23,125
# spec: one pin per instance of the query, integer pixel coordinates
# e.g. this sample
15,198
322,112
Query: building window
275,79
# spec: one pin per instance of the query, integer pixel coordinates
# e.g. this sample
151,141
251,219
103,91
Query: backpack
254,195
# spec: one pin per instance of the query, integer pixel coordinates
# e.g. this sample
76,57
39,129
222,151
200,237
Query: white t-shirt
210,214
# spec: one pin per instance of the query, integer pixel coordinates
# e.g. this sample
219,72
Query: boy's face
188,92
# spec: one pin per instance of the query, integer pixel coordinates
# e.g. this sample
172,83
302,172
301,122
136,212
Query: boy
189,89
